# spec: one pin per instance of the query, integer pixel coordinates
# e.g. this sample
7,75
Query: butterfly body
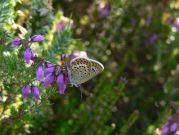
83,69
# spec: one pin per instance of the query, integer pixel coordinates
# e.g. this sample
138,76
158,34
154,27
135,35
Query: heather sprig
53,73
46,71
28,53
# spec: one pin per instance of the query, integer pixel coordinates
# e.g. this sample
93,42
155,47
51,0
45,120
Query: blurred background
137,42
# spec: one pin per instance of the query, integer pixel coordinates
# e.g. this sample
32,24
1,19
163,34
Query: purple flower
25,91
71,23
62,88
62,56
49,79
60,79
35,93
37,38
150,38
61,83
176,133
16,41
174,23
173,127
104,9
62,24
50,68
28,55
165,130
40,73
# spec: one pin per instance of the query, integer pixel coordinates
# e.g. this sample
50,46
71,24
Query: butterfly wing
83,69
96,68
80,70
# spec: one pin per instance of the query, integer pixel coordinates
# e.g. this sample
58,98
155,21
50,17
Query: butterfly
83,69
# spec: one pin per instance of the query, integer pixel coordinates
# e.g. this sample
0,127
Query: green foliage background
135,93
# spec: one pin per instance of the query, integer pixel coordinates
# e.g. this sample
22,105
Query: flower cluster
49,73
63,23
104,9
28,53
174,22
28,56
172,126
27,89
36,38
